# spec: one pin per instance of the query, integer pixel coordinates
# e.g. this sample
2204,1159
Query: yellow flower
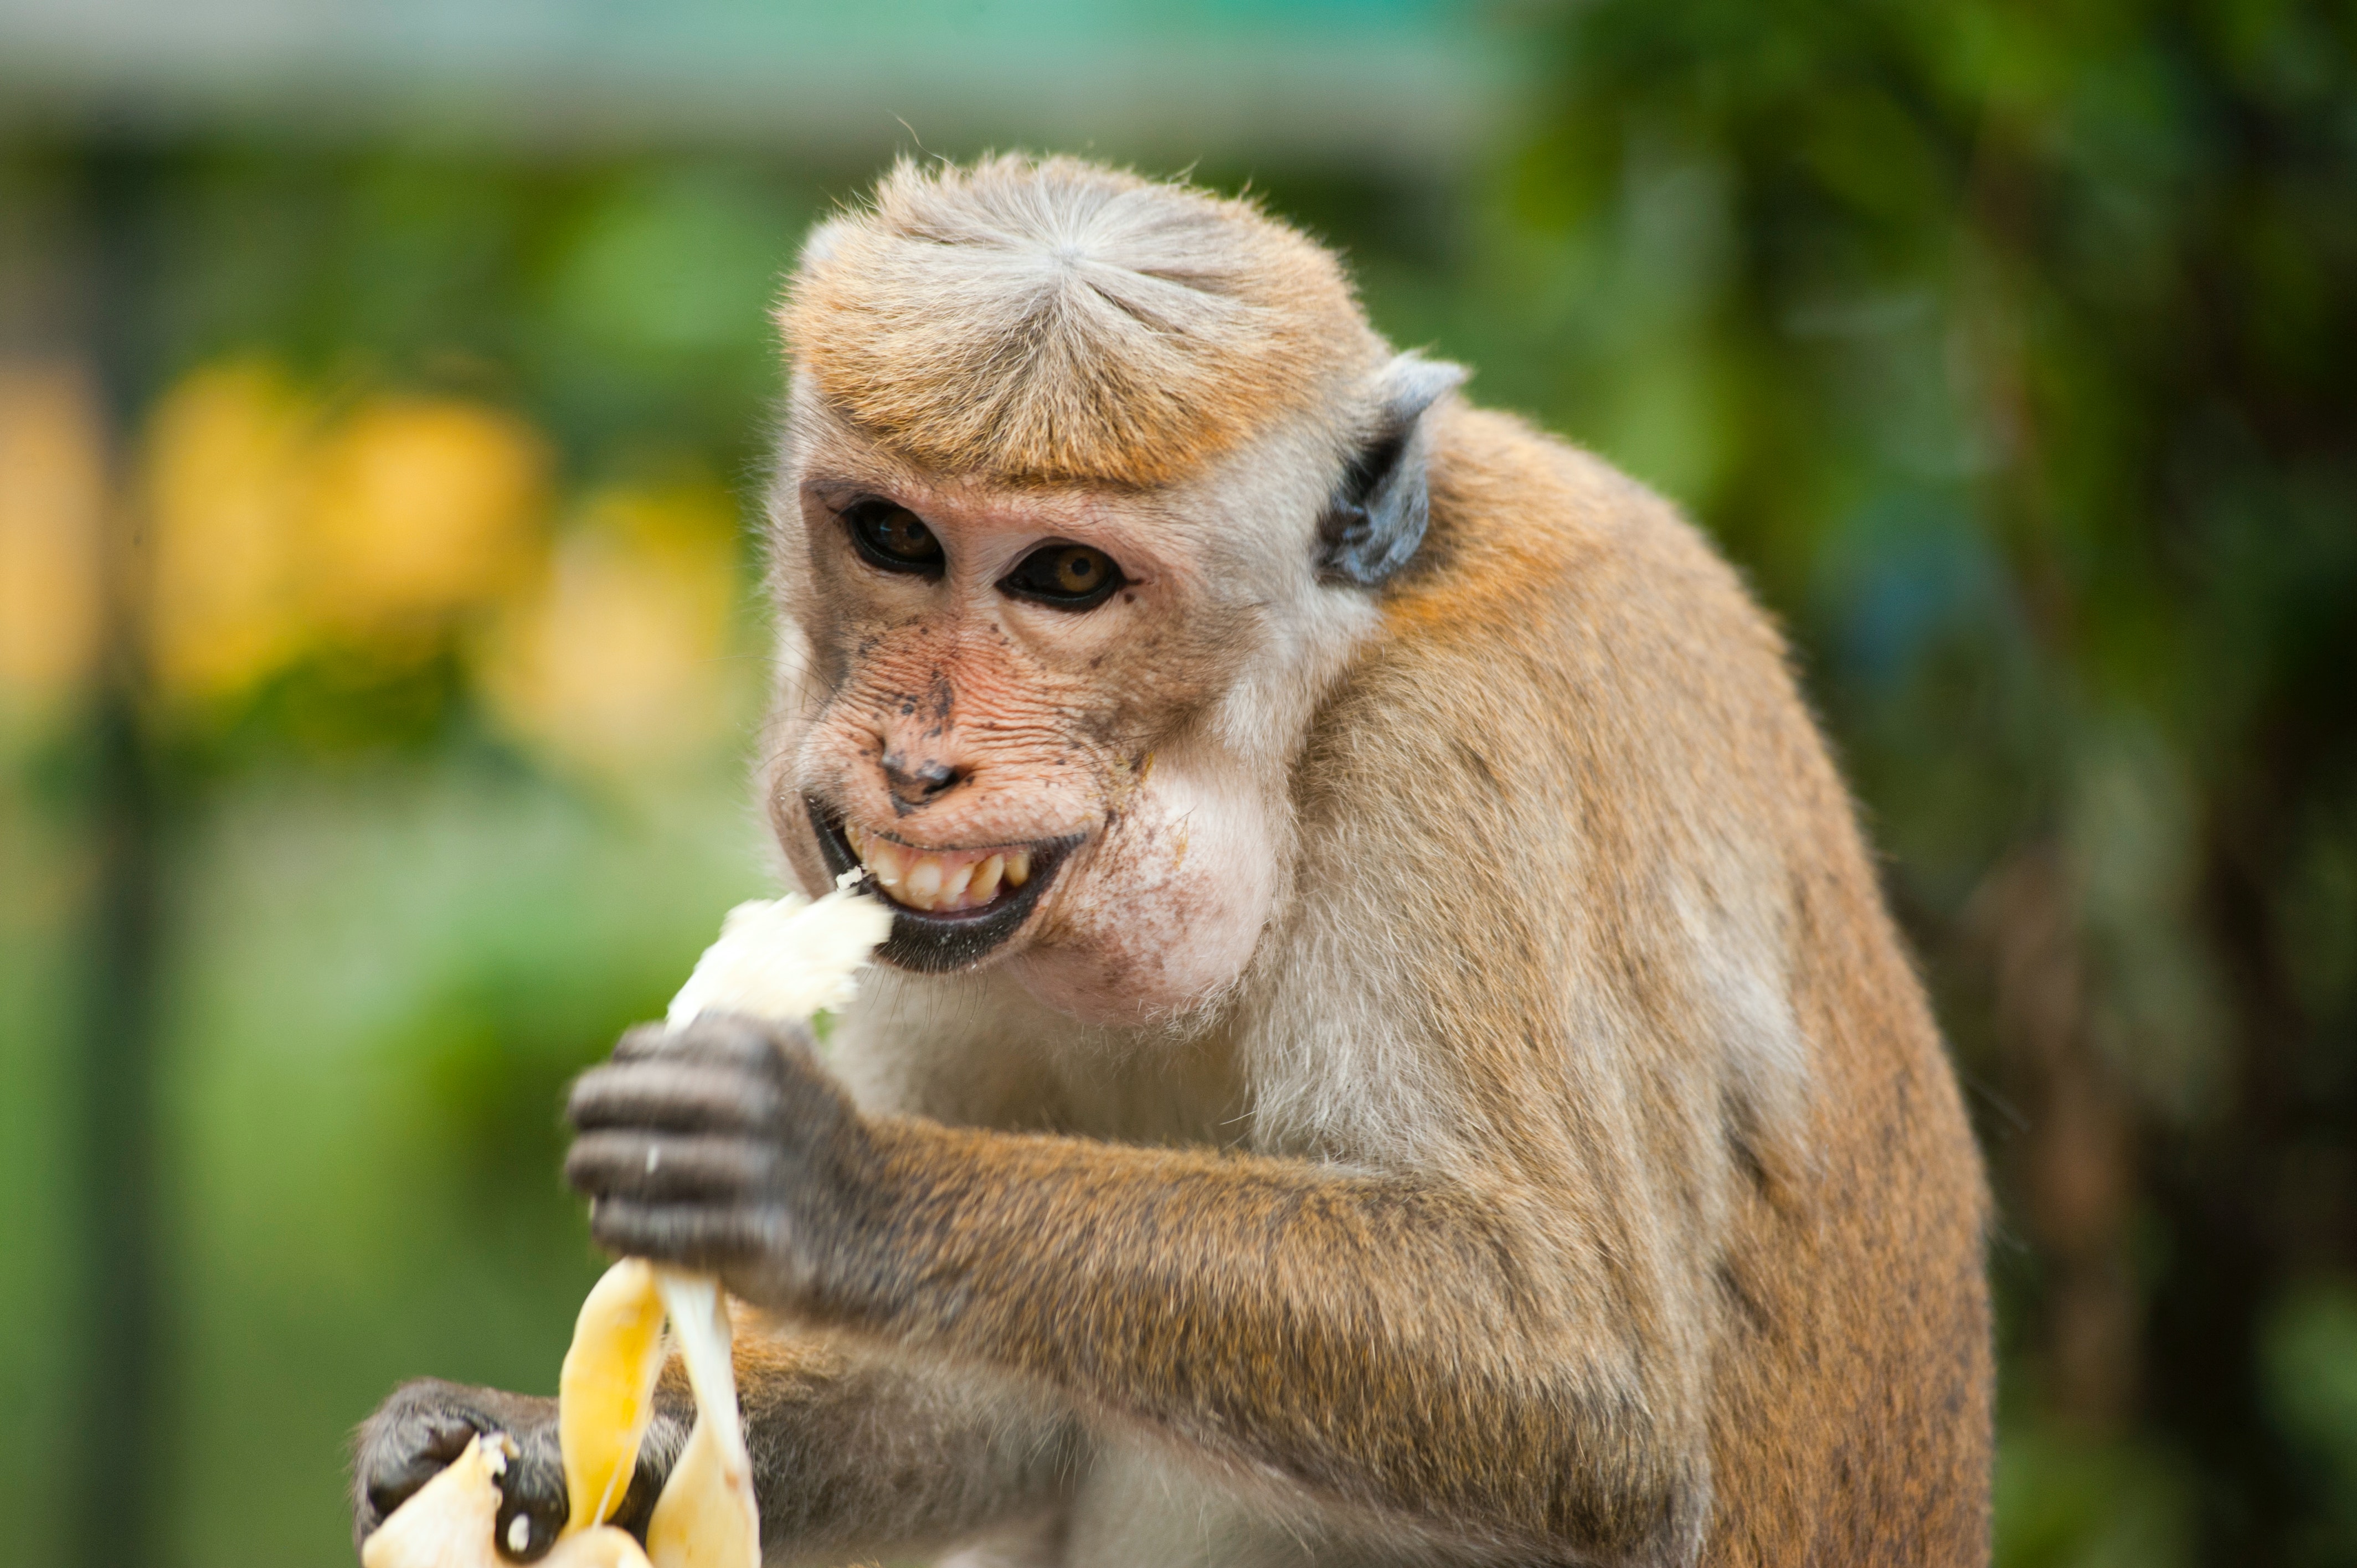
52,509
619,662
273,529
421,507
226,483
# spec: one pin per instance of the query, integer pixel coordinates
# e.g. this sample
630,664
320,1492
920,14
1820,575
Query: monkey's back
1654,931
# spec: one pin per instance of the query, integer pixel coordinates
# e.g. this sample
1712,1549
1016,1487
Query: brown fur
1564,1168
1602,671
1056,320
1625,1297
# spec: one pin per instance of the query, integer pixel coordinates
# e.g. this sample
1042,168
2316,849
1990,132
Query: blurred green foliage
621,301
2008,349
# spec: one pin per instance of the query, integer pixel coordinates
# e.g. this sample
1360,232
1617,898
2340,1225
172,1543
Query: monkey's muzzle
936,926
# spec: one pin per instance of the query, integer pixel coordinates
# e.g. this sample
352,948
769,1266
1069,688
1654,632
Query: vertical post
120,1457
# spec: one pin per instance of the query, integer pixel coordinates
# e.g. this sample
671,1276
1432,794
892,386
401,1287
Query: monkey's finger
532,1497
654,1168
416,1433
400,1452
706,1238
672,1096
715,1038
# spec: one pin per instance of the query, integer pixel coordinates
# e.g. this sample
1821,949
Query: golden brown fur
1464,1100
1604,686
1061,321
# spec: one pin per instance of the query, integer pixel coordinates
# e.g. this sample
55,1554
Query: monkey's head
1086,486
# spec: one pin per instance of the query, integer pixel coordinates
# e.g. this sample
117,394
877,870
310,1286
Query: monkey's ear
1377,520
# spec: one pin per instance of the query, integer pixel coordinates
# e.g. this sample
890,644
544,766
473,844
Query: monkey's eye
891,537
1069,576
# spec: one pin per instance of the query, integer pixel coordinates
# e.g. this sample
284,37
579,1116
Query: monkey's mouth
951,907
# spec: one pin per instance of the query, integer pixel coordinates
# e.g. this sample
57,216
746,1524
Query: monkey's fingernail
520,1535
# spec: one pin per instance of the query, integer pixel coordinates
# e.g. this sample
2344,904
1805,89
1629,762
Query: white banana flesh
706,1517
448,1523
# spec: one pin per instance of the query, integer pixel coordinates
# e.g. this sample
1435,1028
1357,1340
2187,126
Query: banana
448,1523
605,1396
782,961
705,1516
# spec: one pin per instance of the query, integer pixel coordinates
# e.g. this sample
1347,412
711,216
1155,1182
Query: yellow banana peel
605,1396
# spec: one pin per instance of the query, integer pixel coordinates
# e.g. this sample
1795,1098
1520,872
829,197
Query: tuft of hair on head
1050,320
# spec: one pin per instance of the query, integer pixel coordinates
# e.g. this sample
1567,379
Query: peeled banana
782,961
448,1523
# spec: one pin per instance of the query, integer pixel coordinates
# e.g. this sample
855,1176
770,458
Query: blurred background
384,392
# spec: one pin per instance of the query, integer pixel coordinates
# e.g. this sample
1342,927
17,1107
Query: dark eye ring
1067,576
893,538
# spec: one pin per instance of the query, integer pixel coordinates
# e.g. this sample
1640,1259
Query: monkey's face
1037,718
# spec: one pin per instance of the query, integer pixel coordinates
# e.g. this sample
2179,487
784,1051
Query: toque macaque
1391,1048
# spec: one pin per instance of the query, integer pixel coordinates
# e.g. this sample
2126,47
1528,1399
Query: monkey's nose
914,786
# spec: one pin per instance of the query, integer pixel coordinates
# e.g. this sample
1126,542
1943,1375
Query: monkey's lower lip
935,942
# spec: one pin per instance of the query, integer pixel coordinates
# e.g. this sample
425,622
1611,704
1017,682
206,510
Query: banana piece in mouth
782,961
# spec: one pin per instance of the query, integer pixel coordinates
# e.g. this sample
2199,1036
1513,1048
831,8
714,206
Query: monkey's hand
428,1423
723,1146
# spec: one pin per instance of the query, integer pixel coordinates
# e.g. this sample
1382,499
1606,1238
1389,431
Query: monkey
1391,1048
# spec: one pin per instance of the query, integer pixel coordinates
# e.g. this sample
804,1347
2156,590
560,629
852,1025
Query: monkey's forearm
853,1454
1385,1340
1496,1365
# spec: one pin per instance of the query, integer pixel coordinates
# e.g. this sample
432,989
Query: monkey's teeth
922,886
938,883
883,857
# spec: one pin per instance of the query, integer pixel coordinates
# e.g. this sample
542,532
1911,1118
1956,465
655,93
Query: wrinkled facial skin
1081,735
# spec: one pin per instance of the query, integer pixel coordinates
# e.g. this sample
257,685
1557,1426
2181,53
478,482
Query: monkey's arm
1392,1341
852,1453
855,1453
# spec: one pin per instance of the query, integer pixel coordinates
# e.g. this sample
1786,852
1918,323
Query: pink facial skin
1056,723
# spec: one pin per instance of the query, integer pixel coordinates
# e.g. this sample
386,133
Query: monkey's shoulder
1529,536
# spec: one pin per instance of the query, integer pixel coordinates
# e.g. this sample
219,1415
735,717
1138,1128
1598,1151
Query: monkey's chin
936,943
